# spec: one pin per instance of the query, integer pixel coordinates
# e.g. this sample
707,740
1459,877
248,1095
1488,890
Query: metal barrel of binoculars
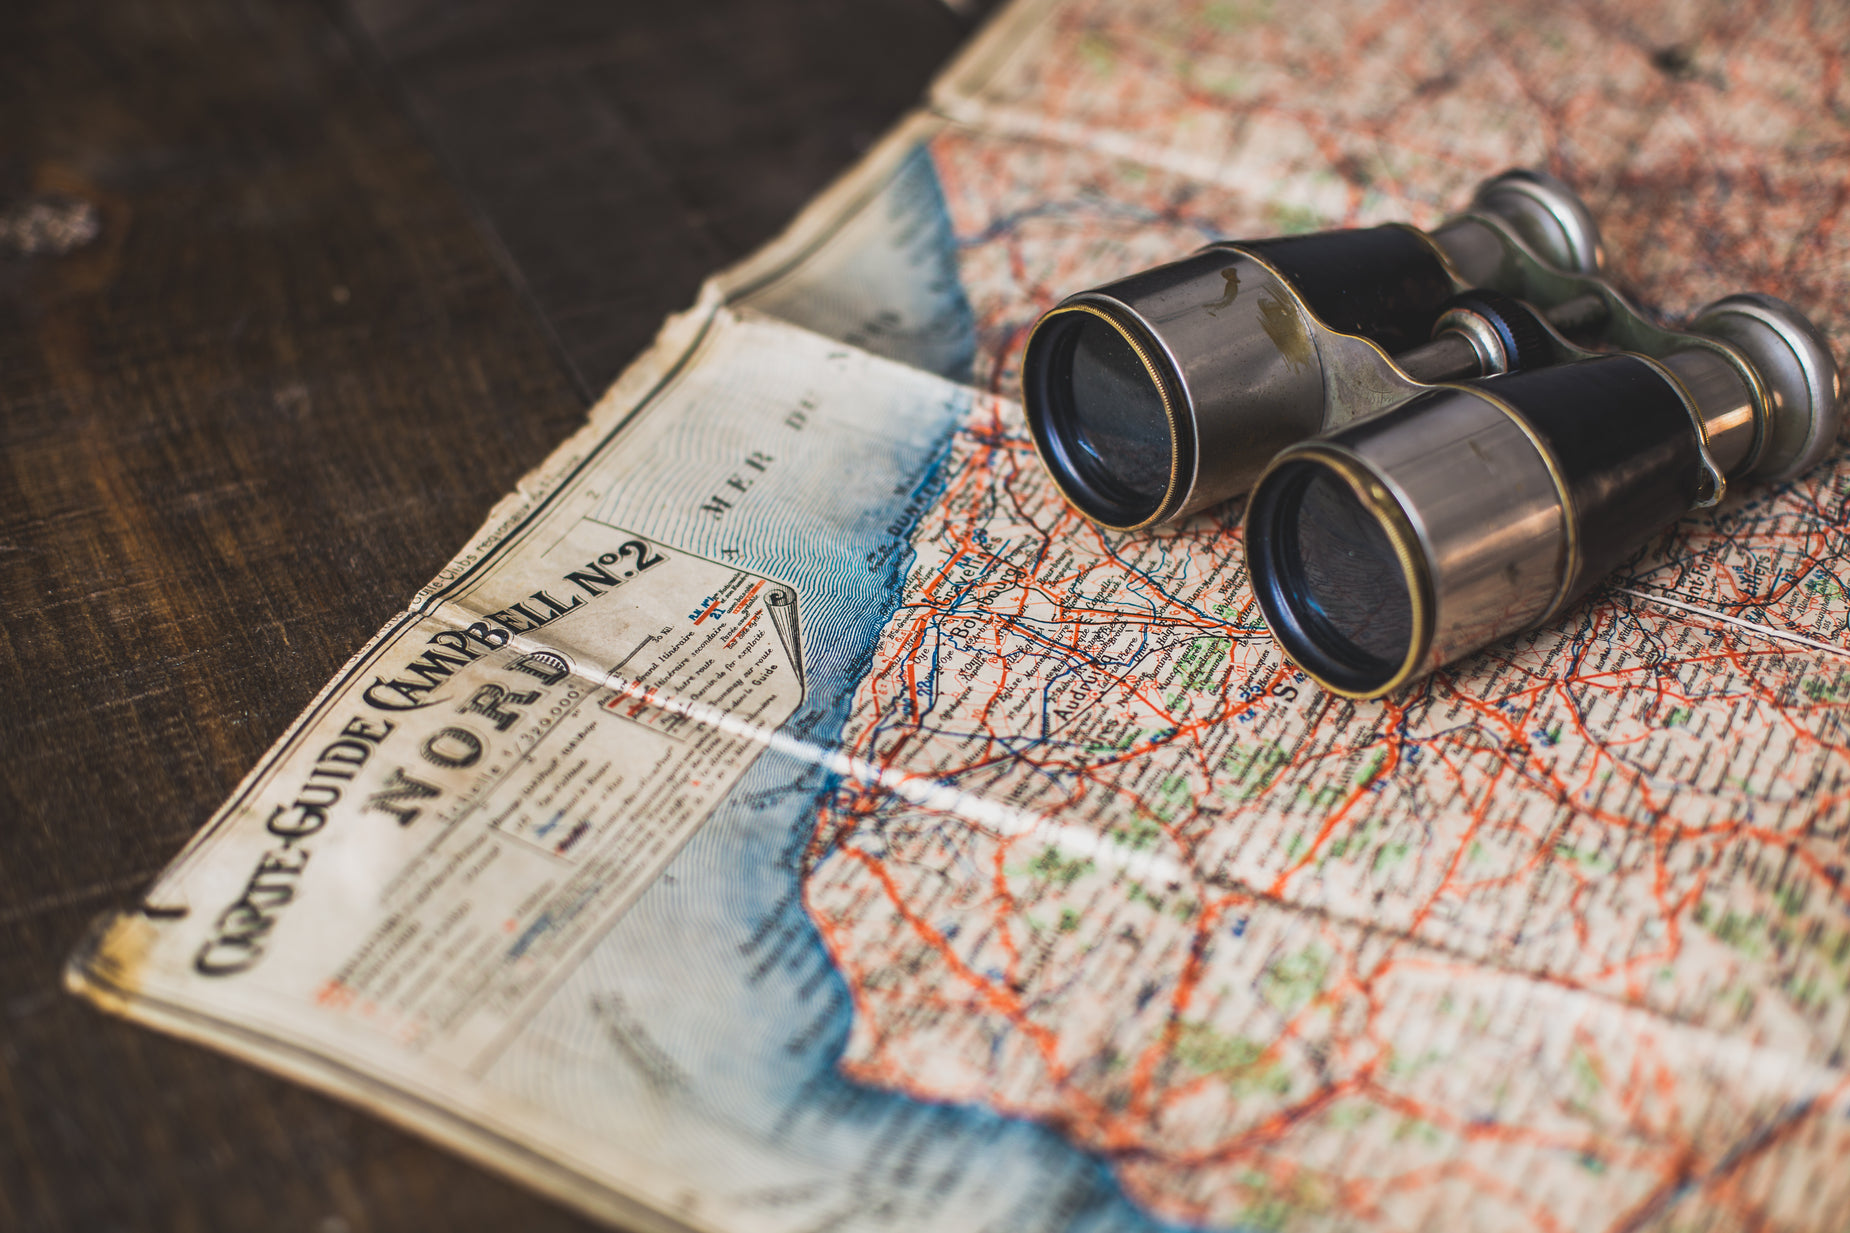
1444,437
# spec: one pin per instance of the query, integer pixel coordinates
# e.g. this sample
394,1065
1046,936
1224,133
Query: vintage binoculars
1447,436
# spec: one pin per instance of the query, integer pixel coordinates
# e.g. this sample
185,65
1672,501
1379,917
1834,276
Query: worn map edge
951,99
817,222
103,972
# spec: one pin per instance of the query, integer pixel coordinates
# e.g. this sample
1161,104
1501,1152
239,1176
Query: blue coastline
729,1018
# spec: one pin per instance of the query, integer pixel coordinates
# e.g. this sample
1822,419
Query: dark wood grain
623,152
297,362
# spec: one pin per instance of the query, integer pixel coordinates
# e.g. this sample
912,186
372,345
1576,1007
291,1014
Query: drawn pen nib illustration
781,603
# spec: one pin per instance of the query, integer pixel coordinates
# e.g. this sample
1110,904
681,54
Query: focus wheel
1516,326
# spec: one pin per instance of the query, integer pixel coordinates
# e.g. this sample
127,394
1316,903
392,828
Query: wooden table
290,293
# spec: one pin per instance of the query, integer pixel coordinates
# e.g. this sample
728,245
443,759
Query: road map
789,814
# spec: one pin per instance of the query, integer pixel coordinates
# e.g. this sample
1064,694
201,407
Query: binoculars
1444,437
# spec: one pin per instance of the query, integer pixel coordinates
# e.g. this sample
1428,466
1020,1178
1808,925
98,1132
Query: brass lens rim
1570,585
1041,352
1285,480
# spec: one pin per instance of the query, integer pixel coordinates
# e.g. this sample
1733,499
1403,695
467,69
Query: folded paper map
788,814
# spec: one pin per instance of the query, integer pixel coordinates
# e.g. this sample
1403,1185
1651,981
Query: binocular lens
1347,574
1408,539
1166,392
1108,420
1334,582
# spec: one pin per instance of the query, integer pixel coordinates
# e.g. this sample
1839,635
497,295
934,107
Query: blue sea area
702,1036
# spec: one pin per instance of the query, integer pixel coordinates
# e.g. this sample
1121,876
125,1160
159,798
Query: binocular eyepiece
1433,464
